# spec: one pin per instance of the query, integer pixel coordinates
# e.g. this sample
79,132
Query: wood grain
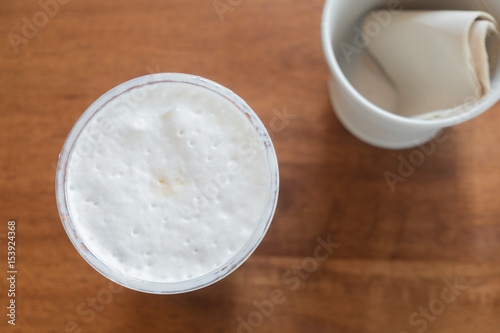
398,250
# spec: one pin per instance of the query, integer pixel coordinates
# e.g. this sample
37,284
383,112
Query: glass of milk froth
167,183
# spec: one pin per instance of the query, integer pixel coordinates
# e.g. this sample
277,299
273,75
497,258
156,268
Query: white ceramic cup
366,120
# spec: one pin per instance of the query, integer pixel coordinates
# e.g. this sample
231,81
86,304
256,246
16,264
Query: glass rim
186,285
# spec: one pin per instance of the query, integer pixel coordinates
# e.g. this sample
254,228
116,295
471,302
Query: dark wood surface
398,250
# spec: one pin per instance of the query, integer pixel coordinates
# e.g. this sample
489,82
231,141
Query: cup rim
186,285
481,106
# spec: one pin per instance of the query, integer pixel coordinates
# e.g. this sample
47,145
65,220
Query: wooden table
424,257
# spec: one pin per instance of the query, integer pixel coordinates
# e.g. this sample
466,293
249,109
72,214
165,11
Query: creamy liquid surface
167,182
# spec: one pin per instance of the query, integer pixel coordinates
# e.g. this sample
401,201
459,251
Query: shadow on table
209,308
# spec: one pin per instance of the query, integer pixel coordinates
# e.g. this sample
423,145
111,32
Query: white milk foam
167,182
